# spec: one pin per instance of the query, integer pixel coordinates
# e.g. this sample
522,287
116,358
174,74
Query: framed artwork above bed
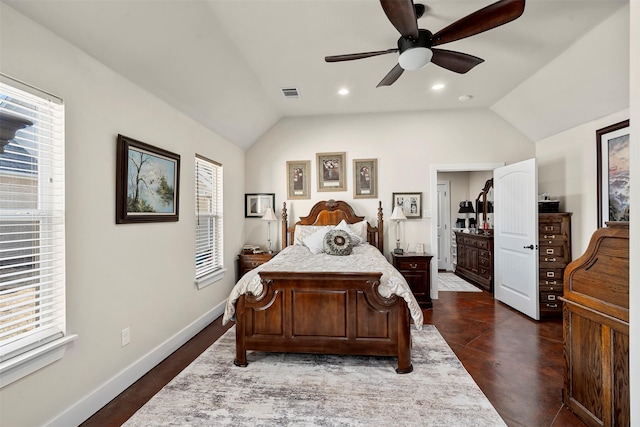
331,172
298,179
365,178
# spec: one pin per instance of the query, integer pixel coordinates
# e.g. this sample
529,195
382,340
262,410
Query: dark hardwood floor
517,362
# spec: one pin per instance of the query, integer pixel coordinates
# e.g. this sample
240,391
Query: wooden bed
324,313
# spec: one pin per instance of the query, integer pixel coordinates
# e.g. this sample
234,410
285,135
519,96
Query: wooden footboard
323,313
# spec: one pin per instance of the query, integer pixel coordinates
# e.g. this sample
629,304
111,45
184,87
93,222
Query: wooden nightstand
247,262
416,269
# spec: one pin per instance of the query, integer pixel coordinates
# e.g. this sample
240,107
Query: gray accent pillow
337,242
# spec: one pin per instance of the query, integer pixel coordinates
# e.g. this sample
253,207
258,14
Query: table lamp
269,217
398,215
466,207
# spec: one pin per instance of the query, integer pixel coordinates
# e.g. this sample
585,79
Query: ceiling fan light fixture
415,58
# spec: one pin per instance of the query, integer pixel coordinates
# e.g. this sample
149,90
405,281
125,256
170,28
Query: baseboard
89,405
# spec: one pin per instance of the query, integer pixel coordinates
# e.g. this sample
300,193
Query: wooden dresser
475,258
554,242
596,330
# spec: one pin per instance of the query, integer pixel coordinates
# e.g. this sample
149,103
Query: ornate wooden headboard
331,212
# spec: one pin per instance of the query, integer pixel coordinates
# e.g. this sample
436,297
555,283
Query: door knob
529,247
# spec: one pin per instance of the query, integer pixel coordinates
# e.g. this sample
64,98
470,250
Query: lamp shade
397,214
268,215
466,207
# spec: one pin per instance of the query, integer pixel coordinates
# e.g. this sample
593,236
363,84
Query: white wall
405,144
134,275
567,171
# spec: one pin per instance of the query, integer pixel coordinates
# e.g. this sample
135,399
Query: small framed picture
298,179
365,178
613,155
331,172
255,204
411,204
147,182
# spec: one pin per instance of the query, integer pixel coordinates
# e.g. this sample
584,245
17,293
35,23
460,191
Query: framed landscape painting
147,183
613,173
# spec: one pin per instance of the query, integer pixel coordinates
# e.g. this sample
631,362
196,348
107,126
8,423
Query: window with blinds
32,265
209,262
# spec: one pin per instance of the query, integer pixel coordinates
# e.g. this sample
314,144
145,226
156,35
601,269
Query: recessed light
438,86
344,91
464,98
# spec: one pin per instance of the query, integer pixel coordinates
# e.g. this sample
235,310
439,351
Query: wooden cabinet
596,330
247,262
554,243
475,258
416,269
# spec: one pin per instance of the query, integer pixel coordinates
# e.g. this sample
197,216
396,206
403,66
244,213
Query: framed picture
298,179
411,204
331,175
365,178
147,183
256,204
613,173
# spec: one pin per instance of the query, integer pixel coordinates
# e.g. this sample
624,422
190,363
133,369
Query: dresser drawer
550,297
551,307
484,272
558,289
251,264
551,274
470,241
482,244
412,265
485,262
549,281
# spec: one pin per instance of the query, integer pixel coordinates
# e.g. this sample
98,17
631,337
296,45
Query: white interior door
516,236
444,226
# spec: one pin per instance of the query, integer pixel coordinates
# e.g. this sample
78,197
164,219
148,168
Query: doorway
444,226
433,203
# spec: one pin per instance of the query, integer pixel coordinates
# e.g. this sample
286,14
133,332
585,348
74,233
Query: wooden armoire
596,329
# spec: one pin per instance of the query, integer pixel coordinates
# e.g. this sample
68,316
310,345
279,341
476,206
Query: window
32,265
209,263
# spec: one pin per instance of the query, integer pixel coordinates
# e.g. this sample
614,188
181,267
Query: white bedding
298,258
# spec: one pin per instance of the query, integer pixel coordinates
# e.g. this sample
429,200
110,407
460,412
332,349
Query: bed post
380,228
284,242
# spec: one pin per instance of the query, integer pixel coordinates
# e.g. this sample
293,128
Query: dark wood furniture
247,262
328,312
475,258
596,330
416,268
554,242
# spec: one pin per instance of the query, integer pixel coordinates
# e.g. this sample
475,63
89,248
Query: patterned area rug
451,282
317,390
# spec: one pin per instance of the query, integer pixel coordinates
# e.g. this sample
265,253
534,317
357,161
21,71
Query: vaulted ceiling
224,62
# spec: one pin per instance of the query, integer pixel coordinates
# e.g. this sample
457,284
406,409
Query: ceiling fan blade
487,18
455,61
402,15
393,75
352,56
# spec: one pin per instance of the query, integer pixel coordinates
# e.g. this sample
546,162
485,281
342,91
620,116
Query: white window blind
32,265
208,218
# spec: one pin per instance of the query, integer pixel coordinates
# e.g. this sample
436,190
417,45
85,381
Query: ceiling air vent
290,92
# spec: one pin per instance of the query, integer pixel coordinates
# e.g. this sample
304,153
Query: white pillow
301,232
315,241
355,238
360,229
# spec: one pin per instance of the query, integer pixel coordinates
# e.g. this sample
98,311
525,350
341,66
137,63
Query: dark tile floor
517,362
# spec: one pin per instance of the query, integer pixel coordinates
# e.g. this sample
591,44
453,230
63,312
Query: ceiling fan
416,45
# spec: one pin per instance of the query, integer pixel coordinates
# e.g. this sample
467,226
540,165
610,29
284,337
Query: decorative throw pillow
315,241
337,242
355,239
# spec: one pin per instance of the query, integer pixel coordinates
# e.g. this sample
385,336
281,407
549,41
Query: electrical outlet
125,336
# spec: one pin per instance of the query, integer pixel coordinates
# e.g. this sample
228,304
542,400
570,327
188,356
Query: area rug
451,282
278,389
